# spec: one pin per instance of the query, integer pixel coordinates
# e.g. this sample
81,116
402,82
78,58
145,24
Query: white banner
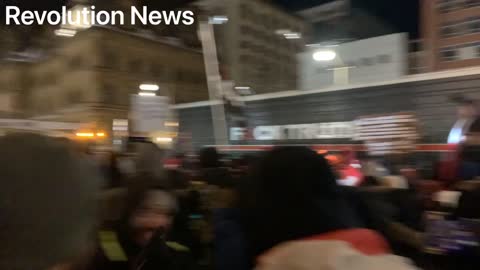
22,124
149,113
334,130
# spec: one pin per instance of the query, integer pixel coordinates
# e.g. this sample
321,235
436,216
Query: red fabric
365,241
350,171
172,163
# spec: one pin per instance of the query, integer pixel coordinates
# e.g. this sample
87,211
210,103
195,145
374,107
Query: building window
384,59
449,54
110,60
472,3
366,62
474,25
76,62
448,5
244,11
157,70
350,63
449,31
74,97
245,45
108,95
245,30
134,66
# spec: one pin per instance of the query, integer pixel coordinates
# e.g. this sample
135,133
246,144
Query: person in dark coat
141,240
48,199
293,195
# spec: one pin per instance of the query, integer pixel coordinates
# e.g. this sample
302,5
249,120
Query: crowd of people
63,209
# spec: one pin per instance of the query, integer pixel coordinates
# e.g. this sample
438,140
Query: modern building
258,44
450,32
377,59
342,20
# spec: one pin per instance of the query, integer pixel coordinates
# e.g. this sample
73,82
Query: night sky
402,15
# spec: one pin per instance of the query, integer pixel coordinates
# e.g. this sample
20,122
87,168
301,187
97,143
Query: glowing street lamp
146,94
324,55
149,87
341,75
64,32
218,19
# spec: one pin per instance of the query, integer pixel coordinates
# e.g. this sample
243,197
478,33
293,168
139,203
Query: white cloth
457,133
393,181
448,198
327,255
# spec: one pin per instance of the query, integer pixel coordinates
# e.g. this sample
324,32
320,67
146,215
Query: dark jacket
230,246
116,252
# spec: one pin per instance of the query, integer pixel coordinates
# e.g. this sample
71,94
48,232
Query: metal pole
214,81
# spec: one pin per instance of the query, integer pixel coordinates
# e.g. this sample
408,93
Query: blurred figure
213,171
300,219
47,204
141,240
466,133
209,158
295,195
467,114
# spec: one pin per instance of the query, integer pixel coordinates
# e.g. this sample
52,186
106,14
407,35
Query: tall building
90,77
450,31
342,20
258,45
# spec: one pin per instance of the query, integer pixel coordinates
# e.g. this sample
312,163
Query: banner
149,113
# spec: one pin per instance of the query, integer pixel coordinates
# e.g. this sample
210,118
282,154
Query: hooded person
298,213
47,203
142,237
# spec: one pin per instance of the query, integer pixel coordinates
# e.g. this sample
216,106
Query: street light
149,87
219,19
288,34
244,90
341,75
324,55
146,94
64,32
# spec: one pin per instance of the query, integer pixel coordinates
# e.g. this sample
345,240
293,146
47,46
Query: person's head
151,212
292,171
466,107
209,158
294,194
47,203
